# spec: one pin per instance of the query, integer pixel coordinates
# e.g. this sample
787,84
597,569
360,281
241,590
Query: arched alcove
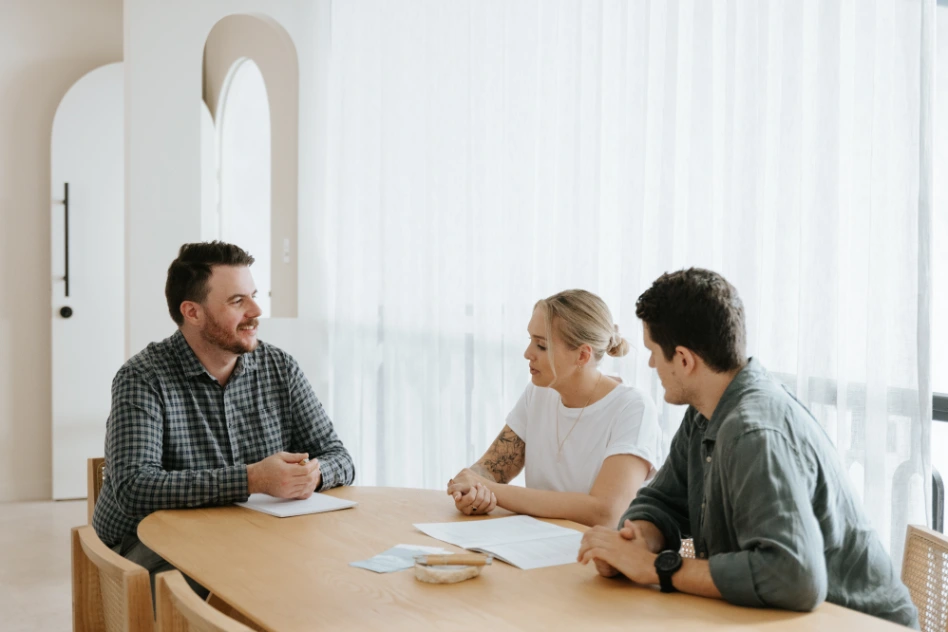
240,53
244,170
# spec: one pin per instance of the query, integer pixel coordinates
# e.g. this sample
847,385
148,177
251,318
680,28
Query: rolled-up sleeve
315,434
134,449
780,563
664,501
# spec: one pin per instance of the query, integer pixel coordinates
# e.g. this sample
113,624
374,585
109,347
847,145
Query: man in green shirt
751,476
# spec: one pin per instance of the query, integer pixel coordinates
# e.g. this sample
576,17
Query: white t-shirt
625,421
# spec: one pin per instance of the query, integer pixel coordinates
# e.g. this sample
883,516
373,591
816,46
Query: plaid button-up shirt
175,438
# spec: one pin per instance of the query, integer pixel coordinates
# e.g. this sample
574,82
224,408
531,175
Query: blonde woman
587,441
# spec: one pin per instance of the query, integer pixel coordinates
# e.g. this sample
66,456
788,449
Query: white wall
164,45
45,46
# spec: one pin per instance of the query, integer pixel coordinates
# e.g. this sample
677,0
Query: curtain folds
485,154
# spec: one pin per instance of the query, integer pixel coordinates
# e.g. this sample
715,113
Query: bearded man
210,415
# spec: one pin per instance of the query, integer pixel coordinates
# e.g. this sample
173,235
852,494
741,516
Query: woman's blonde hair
582,318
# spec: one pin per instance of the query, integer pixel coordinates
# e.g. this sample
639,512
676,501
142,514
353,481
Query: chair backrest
181,610
95,476
925,573
108,591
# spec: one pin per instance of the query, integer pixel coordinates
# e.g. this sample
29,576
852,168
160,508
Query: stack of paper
284,507
522,541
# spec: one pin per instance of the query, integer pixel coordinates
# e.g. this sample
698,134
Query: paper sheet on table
532,554
398,558
522,541
284,507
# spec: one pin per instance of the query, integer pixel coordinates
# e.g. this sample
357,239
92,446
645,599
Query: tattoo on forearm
504,458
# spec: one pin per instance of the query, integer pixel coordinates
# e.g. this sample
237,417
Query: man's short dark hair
188,274
699,310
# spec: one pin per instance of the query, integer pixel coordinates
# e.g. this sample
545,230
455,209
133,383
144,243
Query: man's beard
681,396
225,340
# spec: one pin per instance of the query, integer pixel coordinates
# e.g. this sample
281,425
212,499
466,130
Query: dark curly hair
699,310
188,274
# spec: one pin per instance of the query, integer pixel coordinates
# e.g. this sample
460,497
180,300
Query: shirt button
708,459
702,555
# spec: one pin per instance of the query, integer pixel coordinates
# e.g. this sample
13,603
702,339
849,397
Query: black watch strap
667,564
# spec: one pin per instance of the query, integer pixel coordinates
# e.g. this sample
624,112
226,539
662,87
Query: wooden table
289,574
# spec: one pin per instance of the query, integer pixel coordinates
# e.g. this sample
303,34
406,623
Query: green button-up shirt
761,489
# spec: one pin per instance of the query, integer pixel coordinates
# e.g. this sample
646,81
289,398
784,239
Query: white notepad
283,507
521,541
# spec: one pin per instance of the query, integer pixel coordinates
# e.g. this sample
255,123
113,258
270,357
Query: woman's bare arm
619,480
504,458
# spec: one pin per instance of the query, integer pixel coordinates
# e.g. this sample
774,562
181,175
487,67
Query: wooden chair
108,591
925,573
181,610
95,476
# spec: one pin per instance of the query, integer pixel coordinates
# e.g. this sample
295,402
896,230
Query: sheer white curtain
485,154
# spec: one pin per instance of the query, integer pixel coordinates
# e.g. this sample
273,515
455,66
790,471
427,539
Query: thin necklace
559,451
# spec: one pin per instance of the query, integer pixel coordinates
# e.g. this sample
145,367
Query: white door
88,305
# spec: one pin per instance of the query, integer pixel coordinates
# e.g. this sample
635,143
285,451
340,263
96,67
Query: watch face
667,561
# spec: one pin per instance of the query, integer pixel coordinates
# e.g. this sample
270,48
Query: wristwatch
667,564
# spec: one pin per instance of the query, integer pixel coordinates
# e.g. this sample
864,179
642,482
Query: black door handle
66,223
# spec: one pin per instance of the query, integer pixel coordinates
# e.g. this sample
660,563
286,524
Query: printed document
522,541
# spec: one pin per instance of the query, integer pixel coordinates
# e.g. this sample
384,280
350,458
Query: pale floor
35,583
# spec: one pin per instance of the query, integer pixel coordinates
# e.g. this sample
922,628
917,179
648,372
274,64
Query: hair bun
618,346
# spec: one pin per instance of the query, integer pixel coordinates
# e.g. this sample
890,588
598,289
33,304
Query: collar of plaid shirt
193,367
